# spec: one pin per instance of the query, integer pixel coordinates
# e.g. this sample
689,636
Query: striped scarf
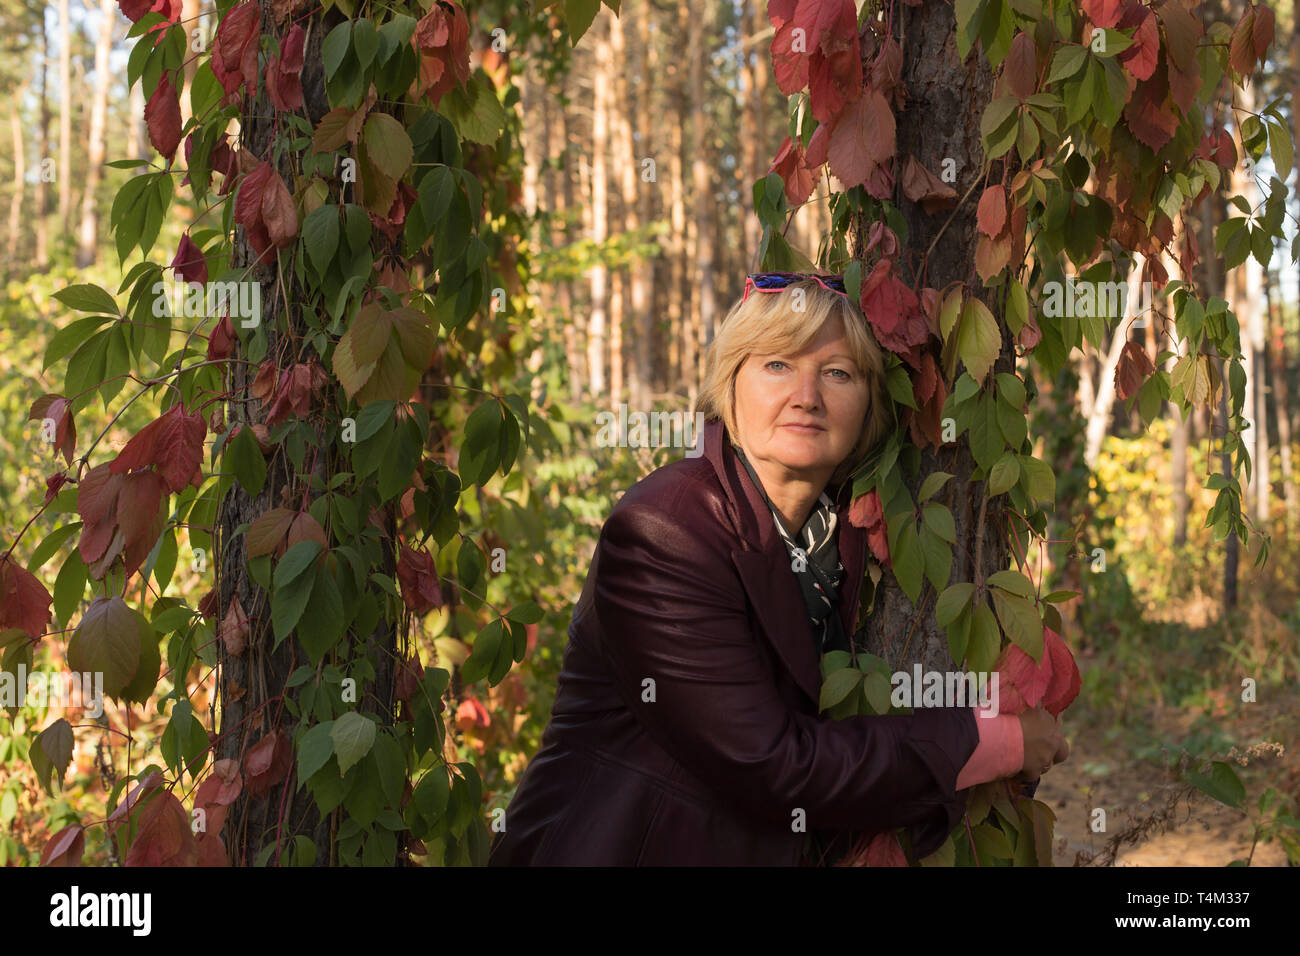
815,561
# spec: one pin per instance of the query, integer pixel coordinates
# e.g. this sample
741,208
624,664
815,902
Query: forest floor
1124,770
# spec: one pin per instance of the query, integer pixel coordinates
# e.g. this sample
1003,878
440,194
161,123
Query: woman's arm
672,610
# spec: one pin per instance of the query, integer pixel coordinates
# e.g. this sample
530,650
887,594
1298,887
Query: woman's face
801,413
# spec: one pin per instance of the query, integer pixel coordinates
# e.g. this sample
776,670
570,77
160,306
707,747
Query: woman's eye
773,362
847,377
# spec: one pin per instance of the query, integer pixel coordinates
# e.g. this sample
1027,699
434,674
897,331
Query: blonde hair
766,324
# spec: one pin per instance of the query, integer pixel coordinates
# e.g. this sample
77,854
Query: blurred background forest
639,150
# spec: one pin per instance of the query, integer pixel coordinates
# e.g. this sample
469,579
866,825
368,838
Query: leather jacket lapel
765,570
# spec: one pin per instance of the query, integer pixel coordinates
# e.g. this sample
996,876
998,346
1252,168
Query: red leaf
1141,55
1262,30
283,80
1241,47
419,580
233,633
893,310
152,781
189,262
789,65
992,212
863,136
293,394
234,57
818,147
921,185
1065,683
174,443
409,674
59,410
1104,13
471,713
162,115
1020,68
441,38
65,847
835,61
1052,683
798,178
279,214
222,341
1133,369
267,763
1149,113
164,837
866,513
885,851
220,788
24,602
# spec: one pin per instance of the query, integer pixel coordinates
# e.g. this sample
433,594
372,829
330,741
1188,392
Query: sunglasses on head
776,281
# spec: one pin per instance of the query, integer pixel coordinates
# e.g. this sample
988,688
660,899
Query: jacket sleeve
672,610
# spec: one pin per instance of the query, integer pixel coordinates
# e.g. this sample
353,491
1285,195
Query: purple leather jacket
685,729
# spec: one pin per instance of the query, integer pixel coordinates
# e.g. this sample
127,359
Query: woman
685,729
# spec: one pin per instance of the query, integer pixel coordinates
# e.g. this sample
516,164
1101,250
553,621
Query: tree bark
65,118
88,235
42,155
253,686
20,181
942,119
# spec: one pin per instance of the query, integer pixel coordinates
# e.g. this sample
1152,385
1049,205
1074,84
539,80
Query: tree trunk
190,10
42,157
599,231
253,686
87,244
65,118
1244,287
942,119
20,177
1099,415
1282,416
701,27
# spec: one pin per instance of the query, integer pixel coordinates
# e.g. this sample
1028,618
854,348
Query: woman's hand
1045,744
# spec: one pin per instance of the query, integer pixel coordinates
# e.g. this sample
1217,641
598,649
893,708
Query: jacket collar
765,565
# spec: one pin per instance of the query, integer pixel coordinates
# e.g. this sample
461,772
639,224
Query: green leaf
314,750
1222,784
978,339
1012,581
525,613
838,686
295,561
985,641
933,482
952,602
320,235
908,559
353,735
1004,475
899,384
323,618
336,47
938,519
1069,59
51,754
1040,482
1021,622
938,558
88,298
244,457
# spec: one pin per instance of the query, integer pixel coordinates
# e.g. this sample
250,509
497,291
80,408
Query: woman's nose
807,391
